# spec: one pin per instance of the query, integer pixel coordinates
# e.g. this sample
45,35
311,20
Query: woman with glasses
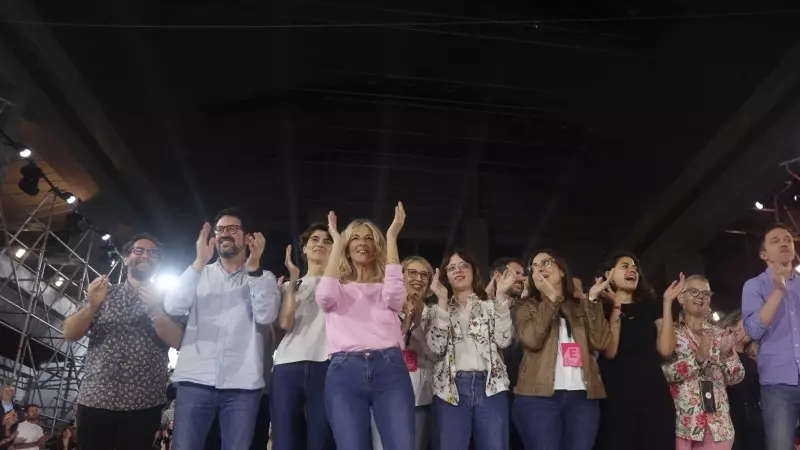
703,364
362,292
559,386
415,320
470,380
642,336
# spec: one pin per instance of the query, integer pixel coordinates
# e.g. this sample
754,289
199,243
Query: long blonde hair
347,270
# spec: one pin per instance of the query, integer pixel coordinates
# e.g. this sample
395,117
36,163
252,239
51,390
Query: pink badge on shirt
571,354
411,360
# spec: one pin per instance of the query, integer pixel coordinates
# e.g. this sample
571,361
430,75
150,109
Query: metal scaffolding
44,274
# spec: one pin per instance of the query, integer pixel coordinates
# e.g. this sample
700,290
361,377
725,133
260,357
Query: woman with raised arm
642,336
470,381
362,292
301,360
559,386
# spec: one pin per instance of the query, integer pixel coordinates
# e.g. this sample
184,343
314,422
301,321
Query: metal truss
43,279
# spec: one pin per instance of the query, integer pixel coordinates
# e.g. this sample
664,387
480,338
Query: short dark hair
762,246
313,228
239,213
126,249
500,264
643,289
31,405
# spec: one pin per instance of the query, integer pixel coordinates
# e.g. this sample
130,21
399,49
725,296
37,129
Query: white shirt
567,378
468,357
223,345
306,341
29,432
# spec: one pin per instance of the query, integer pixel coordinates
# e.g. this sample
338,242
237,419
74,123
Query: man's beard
139,272
228,252
515,290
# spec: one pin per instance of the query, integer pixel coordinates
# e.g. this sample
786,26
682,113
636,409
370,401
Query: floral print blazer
489,326
684,374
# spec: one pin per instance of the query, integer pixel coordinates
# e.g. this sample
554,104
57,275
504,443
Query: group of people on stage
375,352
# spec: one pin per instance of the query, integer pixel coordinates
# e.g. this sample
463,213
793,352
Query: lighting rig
29,184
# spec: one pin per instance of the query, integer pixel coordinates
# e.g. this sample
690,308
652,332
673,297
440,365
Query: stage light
715,316
59,282
759,205
166,282
20,253
25,153
797,269
31,173
69,197
106,236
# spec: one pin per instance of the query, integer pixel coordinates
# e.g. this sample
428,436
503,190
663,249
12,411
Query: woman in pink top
362,292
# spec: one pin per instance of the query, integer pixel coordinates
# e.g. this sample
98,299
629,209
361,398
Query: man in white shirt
220,369
301,361
29,434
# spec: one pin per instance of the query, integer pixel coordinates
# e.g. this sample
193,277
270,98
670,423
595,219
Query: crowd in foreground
374,352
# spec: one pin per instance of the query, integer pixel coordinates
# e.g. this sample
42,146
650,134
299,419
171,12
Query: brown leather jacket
537,325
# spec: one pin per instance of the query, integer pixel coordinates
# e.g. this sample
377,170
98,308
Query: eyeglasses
424,275
230,229
697,293
152,252
463,265
545,264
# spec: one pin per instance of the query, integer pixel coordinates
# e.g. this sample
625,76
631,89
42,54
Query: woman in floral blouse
703,355
469,380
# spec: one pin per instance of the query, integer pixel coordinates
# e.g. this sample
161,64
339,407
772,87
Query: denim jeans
295,387
422,429
476,414
196,407
565,421
780,408
376,380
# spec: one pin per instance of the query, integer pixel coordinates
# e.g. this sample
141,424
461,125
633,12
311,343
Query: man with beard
771,311
512,355
220,370
122,391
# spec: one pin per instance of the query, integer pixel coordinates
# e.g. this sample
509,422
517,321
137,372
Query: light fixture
20,253
759,205
797,268
31,173
25,153
106,236
166,282
59,282
715,316
795,197
69,197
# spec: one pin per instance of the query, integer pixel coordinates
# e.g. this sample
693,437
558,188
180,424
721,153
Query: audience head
142,256
628,276
696,296
517,267
777,245
549,265
365,246
316,243
460,273
232,228
418,276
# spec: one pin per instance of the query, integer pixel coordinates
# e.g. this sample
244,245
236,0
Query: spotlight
25,153
106,237
166,282
797,269
109,253
59,282
759,205
69,197
715,316
20,253
31,173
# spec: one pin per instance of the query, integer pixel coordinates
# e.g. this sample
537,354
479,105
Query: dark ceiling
561,129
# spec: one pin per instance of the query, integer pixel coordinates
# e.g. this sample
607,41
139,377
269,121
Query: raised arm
179,301
78,324
757,311
598,328
533,322
394,291
439,329
665,344
502,310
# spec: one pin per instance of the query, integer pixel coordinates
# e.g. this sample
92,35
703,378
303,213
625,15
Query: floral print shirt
684,374
489,326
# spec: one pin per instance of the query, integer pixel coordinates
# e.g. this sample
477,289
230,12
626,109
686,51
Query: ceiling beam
709,169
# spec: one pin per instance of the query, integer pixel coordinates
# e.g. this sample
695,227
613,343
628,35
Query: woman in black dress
639,412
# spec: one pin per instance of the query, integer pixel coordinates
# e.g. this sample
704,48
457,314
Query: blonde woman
362,292
470,380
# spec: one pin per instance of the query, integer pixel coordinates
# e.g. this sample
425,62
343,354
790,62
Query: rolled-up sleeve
328,293
265,295
752,301
394,289
179,301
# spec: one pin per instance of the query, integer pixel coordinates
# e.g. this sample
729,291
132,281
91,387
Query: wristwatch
256,273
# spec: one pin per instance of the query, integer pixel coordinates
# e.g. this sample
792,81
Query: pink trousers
707,444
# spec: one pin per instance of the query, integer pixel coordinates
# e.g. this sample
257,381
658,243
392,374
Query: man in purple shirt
771,311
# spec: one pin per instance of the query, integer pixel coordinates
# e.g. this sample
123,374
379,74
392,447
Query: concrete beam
734,134
42,44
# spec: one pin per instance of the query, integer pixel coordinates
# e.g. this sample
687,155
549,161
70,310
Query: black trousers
104,429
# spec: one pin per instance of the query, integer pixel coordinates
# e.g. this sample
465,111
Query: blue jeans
565,421
476,414
295,386
197,405
780,408
376,379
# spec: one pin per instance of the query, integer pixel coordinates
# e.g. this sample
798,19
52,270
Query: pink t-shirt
363,316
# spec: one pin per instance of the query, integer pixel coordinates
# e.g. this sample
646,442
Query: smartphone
707,393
